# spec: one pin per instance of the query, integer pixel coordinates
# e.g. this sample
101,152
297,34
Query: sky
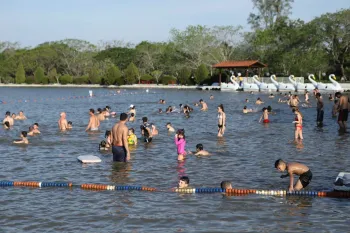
31,22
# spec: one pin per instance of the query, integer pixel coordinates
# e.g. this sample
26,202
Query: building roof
240,64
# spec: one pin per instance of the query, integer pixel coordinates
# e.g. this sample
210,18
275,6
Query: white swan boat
301,86
233,86
282,86
264,86
326,87
250,86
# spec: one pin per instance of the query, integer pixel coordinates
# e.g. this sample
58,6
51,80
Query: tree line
286,45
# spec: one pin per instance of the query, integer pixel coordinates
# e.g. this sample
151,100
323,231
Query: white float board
89,159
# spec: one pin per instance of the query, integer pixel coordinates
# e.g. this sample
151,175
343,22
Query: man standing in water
94,123
320,111
119,139
62,122
343,108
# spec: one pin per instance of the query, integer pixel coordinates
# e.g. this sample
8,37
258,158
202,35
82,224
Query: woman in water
298,121
221,120
180,143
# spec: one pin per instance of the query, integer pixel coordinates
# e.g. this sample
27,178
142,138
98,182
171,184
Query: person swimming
200,150
7,125
265,116
170,127
69,125
94,123
258,101
23,140
34,129
132,117
246,110
107,143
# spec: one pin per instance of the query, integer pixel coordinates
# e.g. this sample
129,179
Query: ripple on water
245,156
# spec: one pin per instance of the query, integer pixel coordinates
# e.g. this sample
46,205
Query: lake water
245,156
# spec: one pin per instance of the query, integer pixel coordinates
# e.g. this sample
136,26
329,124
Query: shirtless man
204,105
62,122
246,110
304,173
8,118
101,115
21,116
200,150
94,123
294,101
258,101
343,109
119,139
265,116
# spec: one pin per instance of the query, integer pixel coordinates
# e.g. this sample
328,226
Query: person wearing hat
132,110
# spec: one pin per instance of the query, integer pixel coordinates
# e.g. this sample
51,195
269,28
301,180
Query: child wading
298,121
180,142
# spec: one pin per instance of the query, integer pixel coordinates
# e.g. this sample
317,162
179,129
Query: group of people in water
120,137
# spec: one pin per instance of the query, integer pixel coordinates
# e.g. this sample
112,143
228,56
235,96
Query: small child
298,121
132,117
226,184
200,150
246,110
180,141
23,140
304,173
184,182
69,125
132,139
106,144
170,127
265,115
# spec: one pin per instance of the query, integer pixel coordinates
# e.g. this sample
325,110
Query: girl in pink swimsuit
180,142
298,121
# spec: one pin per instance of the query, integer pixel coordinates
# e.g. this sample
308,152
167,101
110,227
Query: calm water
245,156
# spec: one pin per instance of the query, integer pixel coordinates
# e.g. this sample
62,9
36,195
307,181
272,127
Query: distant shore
101,86
345,86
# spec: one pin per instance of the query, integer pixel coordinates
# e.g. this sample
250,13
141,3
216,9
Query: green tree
184,76
131,73
39,76
113,74
201,73
66,79
20,74
94,75
53,76
156,75
120,56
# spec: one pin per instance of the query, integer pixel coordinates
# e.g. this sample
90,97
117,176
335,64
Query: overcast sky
32,22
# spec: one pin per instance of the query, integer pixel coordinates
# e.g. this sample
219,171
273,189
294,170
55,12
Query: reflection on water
245,156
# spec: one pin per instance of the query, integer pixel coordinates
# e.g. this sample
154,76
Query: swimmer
294,101
132,110
306,96
21,116
200,150
169,109
319,108
184,182
94,123
269,110
119,139
7,125
298,121
170,127
258,101
34,129
246,110
13,116
100,115
211,97
226,185
304,173
343,109
132,139
106,111
23,140
187,114
265,116
8,118
246,100
271,96
160,110
107,143
221,120
62,122
180,142
204,105
132,117
70,125
196,104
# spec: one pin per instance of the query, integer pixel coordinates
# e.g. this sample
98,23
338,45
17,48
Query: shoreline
345,86
101,86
